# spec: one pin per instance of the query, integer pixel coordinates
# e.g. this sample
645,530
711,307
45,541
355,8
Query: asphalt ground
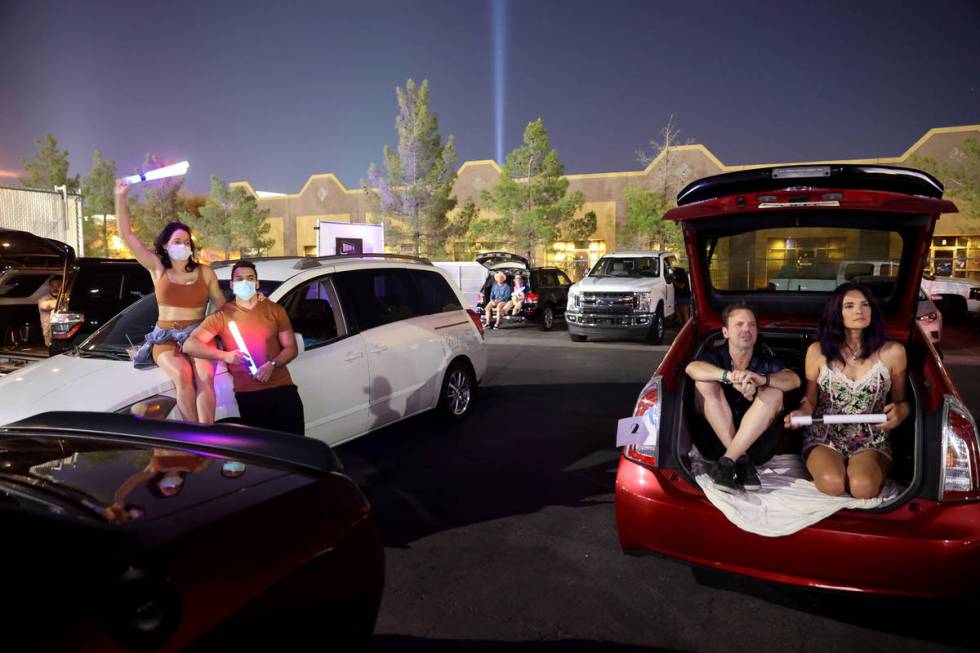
500,531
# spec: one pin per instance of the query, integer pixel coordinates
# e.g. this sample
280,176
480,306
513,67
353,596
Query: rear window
21,285
805,259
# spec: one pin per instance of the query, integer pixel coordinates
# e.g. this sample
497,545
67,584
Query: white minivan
381,338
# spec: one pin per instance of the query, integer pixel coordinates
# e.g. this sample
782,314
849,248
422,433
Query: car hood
613,284
493,260
71,382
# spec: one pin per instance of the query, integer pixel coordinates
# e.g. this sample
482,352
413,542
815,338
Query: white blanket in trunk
788,501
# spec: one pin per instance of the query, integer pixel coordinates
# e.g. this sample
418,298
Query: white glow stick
159,173
237,335
806,420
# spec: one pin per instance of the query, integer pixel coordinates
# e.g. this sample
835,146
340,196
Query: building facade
294,217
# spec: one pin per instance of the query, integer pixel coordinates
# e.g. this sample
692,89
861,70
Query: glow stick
237,335
159,173
806,420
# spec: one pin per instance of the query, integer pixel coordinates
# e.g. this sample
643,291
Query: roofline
888,160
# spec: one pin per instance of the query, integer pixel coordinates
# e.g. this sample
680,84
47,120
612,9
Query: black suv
93,291
547,289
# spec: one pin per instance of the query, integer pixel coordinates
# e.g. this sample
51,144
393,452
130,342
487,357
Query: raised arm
140,252
215,294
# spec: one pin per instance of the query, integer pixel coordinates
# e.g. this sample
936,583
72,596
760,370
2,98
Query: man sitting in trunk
739,392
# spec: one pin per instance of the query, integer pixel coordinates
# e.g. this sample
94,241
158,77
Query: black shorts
710,445
279,409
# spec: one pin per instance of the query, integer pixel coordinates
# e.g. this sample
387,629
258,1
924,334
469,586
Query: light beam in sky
499,72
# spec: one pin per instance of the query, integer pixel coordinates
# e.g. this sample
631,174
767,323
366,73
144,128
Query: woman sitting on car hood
852,369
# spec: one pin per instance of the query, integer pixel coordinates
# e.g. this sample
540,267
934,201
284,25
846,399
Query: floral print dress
836,395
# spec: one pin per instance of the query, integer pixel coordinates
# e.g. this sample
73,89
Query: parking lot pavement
500,531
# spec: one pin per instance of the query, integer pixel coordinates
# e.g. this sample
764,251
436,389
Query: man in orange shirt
266,399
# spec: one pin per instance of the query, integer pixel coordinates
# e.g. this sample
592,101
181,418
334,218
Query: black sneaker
746,475
723,475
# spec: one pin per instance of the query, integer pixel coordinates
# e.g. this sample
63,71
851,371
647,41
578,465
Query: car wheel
656,334
547,318
457,392
577,338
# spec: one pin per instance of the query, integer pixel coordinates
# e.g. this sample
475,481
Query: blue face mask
244,290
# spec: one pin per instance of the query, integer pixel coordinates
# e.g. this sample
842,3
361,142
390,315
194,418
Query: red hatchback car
741,230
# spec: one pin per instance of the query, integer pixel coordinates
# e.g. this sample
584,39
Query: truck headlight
574,301
643,301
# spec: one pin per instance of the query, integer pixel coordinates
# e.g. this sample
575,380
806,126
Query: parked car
624,295
469,277
94,290
380,338
547,289
137,535
958,298
740,227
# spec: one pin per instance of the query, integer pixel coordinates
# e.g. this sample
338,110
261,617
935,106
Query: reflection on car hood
67,382
613,284
148,482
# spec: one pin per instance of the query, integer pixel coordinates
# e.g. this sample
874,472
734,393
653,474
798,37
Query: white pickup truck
626,294
959,298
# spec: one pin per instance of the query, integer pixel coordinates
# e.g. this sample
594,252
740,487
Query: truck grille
608,303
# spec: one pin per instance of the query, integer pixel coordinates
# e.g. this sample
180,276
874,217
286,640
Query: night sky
275,94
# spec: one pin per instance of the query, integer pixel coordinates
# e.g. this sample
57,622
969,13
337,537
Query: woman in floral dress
852,369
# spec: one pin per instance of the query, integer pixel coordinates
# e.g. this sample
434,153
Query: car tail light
928,316
648,406
65,325
960,474
476,319
531,298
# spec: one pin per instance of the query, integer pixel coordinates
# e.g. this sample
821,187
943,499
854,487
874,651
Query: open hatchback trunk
776,239
26,263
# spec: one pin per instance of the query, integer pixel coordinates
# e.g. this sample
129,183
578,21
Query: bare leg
204,386
713,405
866,473
179,370
767,404
826,466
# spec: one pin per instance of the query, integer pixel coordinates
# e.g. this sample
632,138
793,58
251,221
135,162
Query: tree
960,174
666,179
229,220
578,227
48,168
97,199
414,195
644,223
530,198
160,203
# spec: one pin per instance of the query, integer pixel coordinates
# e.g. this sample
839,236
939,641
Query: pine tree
48,168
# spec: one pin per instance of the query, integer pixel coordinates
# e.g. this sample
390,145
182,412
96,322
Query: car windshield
639,266
129,328
805,259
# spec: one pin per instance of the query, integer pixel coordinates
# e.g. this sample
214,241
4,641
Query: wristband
724,377
766,384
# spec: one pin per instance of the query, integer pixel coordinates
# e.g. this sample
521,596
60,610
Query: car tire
456,396
656,334
547,318
577,338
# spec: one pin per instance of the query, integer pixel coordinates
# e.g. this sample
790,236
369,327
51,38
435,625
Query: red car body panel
923,547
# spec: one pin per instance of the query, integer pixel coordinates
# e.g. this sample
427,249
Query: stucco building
323,197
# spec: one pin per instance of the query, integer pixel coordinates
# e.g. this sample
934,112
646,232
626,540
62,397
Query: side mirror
300,344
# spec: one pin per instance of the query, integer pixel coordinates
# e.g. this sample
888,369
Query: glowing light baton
237,335
159,173
806,420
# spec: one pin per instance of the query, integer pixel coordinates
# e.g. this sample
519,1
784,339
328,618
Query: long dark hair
160,245
831,334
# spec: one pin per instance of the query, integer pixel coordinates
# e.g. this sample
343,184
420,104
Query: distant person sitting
682,295
517,297
499,296
739,392
46,306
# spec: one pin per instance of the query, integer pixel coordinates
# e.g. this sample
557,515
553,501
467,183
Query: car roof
284,268
308,454
636,253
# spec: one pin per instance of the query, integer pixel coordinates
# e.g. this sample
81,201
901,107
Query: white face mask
244,290
178,252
